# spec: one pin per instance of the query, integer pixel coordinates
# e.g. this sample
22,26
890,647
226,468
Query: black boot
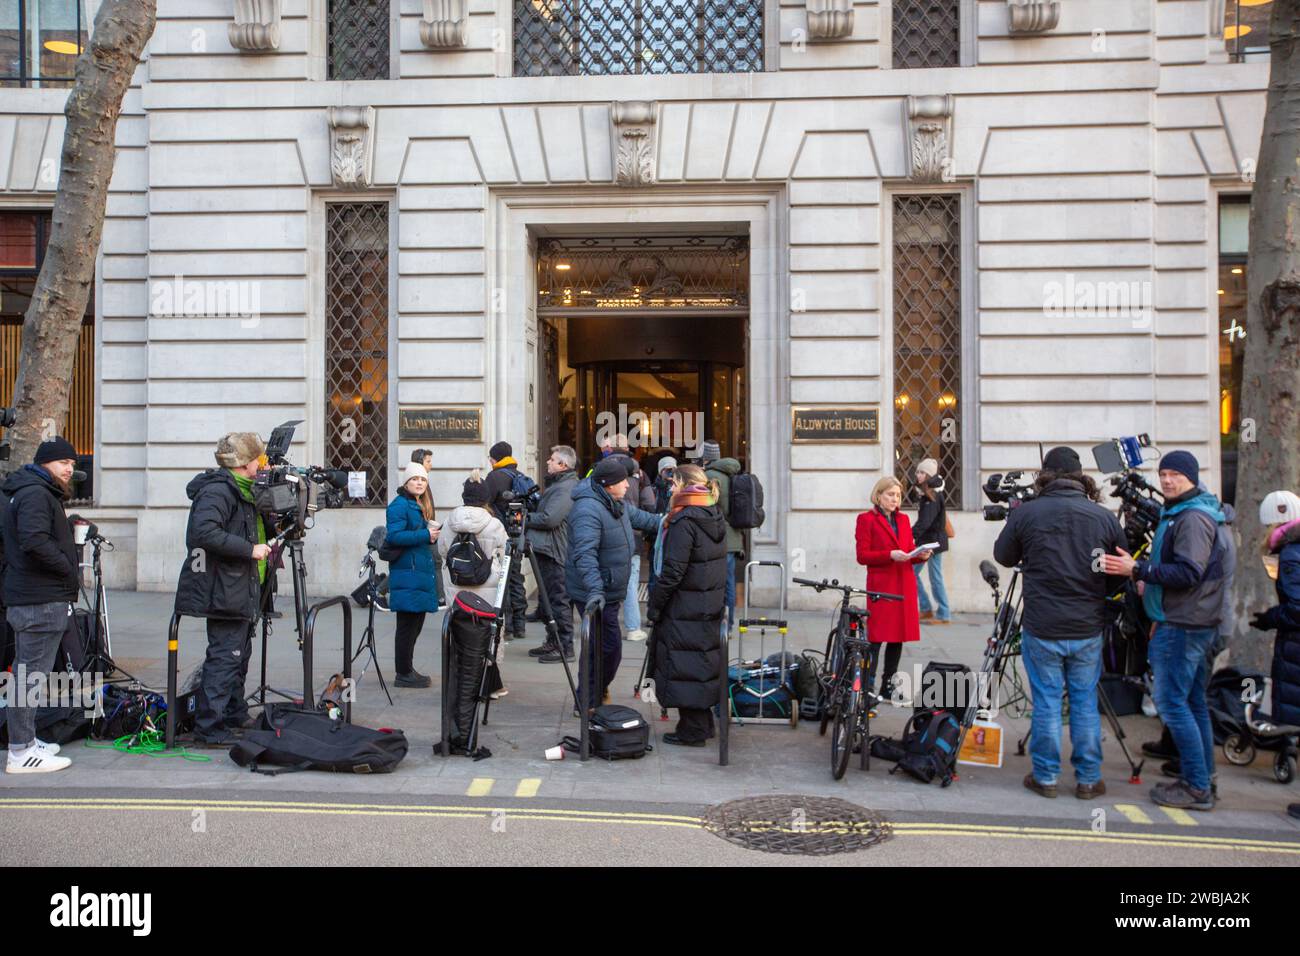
545,648
413,679
553,656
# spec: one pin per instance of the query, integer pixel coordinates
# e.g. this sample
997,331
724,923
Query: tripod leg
552,629
1113,717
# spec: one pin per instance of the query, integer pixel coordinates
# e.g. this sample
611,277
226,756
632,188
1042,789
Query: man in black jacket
221,580
40,585
1061,537
548,533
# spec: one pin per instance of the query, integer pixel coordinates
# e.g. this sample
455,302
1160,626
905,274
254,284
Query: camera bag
930,746
292,739
944,687
467,565
616,733
469,631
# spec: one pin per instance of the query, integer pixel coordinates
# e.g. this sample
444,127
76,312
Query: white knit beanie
928,466
413,469
1279,507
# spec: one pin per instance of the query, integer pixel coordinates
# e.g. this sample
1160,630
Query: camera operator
40,584
1056,535
221,580
548,533
506,477
1182,593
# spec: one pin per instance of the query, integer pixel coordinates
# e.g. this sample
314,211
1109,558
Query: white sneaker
498,694
637,635
49,748
35,760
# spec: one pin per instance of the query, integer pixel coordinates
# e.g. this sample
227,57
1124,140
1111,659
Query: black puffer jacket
688,604
928,528
1058,535
219,575
40,558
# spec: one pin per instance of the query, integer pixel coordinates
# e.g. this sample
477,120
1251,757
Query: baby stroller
1258,732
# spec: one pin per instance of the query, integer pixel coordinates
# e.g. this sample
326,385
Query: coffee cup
80,531
555,753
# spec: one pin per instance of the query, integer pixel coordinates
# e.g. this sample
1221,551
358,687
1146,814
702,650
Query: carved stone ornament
256,28
1033,16
352,145
634,158
445,25
928,121
830,19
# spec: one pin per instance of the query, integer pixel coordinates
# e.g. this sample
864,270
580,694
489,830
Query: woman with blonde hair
884,538
688,605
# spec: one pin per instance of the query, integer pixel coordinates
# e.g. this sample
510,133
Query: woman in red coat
884,537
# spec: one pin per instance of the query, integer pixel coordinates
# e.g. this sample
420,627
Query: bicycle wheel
847,717
830,681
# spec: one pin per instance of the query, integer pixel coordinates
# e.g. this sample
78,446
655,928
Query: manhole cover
784,823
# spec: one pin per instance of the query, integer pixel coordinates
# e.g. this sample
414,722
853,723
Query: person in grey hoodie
720,470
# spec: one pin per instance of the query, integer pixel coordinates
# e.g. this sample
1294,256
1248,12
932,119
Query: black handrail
308,635
584,675
173,647
724,695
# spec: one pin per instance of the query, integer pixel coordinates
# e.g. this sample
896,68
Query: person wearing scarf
687,606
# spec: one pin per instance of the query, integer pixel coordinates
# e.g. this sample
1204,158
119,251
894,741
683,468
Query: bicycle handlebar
834,585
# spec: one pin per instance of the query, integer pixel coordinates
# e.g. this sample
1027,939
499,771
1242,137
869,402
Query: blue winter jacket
601,543
412,583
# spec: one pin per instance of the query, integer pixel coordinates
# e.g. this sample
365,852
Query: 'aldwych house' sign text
440,425
835,424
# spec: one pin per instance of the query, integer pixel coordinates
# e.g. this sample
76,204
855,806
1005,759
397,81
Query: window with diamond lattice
927,33
358,39
356,343
606,37
927,338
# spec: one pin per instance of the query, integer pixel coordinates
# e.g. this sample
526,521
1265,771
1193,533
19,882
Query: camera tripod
99,655
368,569
298,572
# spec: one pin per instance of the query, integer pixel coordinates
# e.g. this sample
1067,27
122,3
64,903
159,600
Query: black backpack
616,733
930,746
466,563
296,739
746,502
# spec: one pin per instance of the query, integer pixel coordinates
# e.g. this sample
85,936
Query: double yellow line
626,818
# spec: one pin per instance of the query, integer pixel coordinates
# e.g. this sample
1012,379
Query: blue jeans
731,590
935,564
1054,668
1181,668
631,609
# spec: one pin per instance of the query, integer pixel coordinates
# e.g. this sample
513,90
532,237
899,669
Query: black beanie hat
1063,460
609,471
501,450
476,493
57,448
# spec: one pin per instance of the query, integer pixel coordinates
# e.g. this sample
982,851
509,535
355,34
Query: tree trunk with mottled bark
53,321
1270,391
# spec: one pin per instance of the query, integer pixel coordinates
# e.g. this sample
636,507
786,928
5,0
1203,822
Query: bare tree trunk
53,320
1270,392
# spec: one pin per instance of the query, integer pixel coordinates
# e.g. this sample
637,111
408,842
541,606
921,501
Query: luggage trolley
761,678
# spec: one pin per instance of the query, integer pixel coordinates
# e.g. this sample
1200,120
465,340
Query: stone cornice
256,27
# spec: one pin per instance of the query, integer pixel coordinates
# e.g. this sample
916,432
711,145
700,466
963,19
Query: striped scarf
682,498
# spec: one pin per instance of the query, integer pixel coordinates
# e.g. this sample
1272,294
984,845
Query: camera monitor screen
1109,457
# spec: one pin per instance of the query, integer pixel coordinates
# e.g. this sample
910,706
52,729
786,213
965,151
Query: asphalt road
238,828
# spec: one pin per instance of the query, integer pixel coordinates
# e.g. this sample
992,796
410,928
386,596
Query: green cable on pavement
151,743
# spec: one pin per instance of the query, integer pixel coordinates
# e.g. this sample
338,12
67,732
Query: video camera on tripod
8,418
290,496
1007,492
1140,502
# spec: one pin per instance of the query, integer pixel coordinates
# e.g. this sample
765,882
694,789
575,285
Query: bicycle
849,658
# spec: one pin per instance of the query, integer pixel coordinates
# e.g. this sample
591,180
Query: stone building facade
1054,192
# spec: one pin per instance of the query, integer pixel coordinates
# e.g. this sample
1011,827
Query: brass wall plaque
823,425
416,425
